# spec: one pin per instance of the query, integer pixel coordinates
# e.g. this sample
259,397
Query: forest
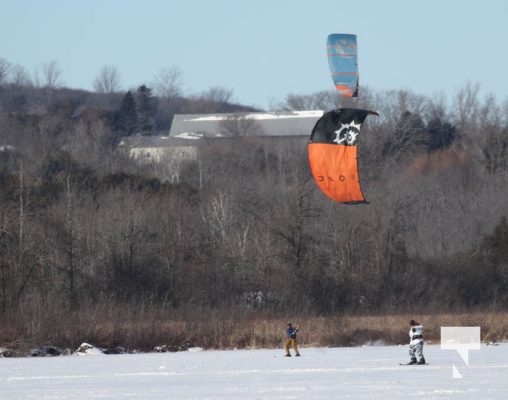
94,247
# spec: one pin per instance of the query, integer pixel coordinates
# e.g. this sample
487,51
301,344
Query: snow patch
86,349
378,342
189,135
7,147
262,116
194,349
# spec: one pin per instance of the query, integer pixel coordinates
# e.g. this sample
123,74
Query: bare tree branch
107,80
169,82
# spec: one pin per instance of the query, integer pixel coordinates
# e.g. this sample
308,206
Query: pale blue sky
263,49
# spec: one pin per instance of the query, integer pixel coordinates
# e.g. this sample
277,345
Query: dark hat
412,322
289,323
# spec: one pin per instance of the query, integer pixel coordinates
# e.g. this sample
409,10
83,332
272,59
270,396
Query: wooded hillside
87,235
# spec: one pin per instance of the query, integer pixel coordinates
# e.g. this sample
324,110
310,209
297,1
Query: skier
291,340
416,342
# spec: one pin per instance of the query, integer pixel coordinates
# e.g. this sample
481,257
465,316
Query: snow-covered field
370,372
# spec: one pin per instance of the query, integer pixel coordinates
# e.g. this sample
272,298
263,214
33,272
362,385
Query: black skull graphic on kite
347,133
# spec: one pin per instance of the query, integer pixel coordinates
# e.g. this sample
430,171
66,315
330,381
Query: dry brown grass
358,330
143,329
393,329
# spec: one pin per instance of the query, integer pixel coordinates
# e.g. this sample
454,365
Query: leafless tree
4,70
107,80
213,99
240,125
49,75
168,82
324,100
410,137
20,76
466,106
495,150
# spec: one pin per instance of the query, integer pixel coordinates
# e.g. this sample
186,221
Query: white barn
189,132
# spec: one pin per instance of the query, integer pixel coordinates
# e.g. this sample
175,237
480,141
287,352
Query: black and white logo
347,134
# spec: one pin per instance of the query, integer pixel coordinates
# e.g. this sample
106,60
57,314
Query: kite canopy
333,154
343,61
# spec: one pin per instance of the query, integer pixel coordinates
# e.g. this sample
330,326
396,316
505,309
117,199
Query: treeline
87,236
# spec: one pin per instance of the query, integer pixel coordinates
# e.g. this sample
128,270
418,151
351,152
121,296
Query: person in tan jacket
291,340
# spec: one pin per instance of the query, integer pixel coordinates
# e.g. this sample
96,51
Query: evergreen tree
441,134
145,110
127,117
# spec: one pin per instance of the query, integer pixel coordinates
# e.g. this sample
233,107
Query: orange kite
333,154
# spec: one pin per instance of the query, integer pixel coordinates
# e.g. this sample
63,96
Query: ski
413,364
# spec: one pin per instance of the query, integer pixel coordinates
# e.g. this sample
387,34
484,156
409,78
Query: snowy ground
371,372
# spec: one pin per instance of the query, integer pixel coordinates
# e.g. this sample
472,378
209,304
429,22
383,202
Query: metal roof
287,123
